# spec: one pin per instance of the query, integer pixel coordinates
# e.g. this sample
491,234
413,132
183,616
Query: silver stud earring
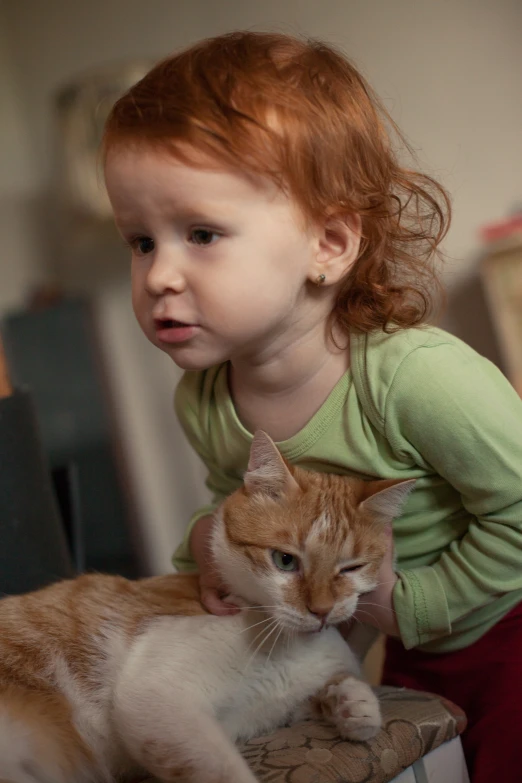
320,279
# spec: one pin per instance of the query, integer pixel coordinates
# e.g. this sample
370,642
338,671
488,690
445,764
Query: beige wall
19,253
448,71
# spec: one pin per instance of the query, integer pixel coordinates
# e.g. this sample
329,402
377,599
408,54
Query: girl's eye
352,568
284,561
143,245
203,236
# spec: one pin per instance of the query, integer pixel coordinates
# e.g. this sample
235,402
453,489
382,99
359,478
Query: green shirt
420,404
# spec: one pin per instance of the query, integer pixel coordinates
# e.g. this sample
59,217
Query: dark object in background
53,352
33,548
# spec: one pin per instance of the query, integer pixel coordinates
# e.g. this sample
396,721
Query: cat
104,678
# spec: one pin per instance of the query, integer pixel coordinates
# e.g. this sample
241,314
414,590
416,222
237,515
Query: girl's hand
376,608
212,589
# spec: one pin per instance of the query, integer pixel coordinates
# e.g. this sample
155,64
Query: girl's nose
165,274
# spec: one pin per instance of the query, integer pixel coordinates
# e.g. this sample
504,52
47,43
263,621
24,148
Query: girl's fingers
215,605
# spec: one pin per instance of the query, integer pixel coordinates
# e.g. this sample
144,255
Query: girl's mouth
172,332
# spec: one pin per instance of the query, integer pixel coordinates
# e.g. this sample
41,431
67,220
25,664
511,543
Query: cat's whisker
372,619
255,609
380,606
261,643
367,613
249,627
290,638
381,584
281,629
273,623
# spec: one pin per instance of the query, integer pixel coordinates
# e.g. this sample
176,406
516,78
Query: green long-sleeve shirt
415,404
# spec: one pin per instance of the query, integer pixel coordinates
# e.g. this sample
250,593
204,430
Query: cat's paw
352,706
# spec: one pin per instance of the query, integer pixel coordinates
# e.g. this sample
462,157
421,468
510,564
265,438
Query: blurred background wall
448,71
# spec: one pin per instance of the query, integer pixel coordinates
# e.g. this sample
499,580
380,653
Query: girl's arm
457,415
376,608
212,588
188,406
194,554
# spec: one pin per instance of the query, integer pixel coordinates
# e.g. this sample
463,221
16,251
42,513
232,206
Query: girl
283,257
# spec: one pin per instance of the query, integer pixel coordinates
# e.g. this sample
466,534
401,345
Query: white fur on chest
211,661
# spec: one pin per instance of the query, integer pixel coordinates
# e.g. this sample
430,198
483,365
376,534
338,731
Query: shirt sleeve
188,407
459,416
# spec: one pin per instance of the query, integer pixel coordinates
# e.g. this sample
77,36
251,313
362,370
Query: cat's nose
321,612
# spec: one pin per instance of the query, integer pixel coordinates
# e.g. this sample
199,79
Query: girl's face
221,261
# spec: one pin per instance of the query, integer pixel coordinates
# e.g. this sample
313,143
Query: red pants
485,680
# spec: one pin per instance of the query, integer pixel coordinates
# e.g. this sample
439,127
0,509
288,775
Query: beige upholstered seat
415,723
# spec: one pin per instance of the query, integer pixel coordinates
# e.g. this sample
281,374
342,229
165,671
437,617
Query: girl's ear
339,239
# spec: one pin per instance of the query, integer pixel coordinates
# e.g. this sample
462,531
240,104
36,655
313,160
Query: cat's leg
38,742
348,703
342,697
171,733
351,705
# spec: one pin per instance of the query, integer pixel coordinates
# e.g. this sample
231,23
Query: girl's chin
187,358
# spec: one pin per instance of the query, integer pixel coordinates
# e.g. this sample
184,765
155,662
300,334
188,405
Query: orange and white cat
105,679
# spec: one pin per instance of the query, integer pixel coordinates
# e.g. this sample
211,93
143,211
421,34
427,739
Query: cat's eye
284,561
352,568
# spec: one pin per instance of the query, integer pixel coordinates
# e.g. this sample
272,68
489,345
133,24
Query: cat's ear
384,499
267,472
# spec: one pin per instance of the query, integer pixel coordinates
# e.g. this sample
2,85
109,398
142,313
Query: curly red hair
299,112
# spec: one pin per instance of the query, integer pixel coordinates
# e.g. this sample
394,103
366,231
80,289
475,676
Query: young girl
283,257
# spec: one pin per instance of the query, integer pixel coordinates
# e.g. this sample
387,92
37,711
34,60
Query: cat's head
305,544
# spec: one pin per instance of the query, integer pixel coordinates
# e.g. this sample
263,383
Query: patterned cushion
414,723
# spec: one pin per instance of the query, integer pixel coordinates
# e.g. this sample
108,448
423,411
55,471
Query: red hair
299,112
